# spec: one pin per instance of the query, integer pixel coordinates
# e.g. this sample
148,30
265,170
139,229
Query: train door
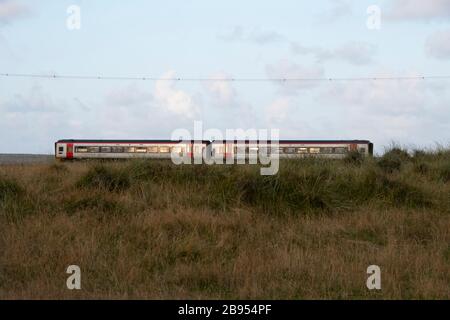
60,150
70,151
353,147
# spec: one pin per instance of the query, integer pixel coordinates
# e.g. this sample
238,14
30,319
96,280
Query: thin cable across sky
231,79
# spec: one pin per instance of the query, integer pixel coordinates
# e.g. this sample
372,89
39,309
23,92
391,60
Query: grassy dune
154,230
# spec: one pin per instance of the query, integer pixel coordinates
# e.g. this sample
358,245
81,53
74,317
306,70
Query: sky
218,40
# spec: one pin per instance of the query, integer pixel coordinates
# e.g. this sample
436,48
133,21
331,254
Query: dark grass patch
444,172
96,203
107,178
9,188
373,236
58,168
421,168
446,254
354,158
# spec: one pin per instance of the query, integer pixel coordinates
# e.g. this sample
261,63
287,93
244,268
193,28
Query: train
72,149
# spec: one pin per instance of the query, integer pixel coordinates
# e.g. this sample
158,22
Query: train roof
299,141
216,141
125,141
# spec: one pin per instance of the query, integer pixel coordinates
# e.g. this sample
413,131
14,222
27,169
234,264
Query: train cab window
340,150
141,149
105,149
164,149
302,150
314,150
81,149
153,149
93,149
60,149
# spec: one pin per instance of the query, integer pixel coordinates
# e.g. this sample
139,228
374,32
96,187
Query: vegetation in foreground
141,229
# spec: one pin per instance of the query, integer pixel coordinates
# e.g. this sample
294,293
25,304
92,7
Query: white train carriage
220,151
290,149
126,149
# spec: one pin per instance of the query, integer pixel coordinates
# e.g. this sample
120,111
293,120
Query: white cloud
381,96
130,95
407,111
256,36
278,111
11,9
425,10
339,9
221,91
174,100
285,69
356,53
36,100
438,45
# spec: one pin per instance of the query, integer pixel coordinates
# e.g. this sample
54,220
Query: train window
362,150
116,149
93,149
327,150
61,149
198,149
240,149
81,149
302,150
153,149
130,149
264,151
314,150
164,149
340,150
105,149
280,150
141,149
289,150
177,150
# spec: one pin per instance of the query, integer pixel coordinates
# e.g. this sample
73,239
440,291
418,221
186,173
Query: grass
142,229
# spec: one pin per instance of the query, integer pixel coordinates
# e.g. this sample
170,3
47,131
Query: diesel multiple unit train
163,149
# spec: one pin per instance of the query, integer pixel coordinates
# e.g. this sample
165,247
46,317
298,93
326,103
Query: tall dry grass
142,229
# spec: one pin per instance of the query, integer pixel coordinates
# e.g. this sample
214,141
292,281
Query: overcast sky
222,39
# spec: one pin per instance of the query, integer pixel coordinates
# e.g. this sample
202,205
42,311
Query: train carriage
290,149
126,149
217,150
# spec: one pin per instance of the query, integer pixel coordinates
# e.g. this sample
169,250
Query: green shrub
354,157
444,172
96,202
102,177
421,168
58,168
399,193
9,188
393,159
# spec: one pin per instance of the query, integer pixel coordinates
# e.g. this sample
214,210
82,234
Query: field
153,230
